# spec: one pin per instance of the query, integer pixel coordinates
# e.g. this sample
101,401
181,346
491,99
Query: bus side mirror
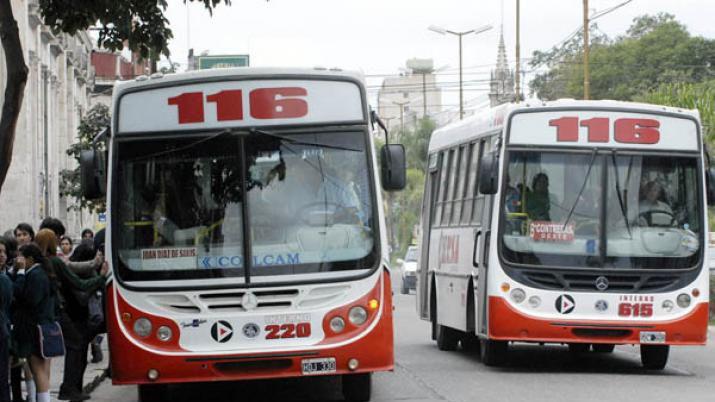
393,167
711,185
92,174
488,173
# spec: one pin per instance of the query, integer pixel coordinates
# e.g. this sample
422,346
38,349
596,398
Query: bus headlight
142,327
534,301
164,334
668,306
357,315
337,324
683,300
517,295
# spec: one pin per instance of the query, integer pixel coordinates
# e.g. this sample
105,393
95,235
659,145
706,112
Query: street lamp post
443,31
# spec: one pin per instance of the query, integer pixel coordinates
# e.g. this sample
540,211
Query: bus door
428,206
484,215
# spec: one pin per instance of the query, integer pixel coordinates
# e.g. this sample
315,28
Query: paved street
423,373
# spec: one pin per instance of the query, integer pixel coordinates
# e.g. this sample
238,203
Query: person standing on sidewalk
6,291
74,293
35,304
24,234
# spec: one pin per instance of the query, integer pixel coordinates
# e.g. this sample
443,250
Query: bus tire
493,353
153,392
654,357
357,387
447,338
471,343
579,348
603,347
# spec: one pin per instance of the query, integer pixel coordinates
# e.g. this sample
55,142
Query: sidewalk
94,371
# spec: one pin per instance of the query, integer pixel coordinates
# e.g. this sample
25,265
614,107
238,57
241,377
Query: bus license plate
319,366
652,337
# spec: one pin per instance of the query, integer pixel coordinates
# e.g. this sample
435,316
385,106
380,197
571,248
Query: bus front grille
587,281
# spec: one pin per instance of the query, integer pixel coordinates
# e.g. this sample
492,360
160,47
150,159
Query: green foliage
402,208
96,120
700,96
141,23
654,51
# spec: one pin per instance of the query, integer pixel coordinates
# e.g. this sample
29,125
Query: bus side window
484,146
451,181
471,189
444,173
457,209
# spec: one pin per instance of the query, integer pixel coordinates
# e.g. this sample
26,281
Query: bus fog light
668,306
337,324
357,315
534,301
152,374
142,327
683,300
517,295
353,364
164,334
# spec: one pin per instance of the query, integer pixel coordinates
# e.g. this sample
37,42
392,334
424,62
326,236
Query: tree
93,122
141,23
655,50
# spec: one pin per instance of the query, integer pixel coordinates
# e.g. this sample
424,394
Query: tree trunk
14,91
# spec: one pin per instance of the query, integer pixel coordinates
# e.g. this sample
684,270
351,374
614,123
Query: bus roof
160,80
491,120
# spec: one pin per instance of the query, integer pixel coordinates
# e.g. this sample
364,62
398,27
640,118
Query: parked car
408,268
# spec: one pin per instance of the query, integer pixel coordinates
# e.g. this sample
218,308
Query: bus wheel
579,348
493,353
470,343
153,392
603,347
357,387
654,357
447,338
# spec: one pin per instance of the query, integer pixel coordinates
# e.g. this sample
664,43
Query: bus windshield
181,201
602,209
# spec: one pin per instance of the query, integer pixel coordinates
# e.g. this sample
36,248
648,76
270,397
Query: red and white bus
245,229
569,222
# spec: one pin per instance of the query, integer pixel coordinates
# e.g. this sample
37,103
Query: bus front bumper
508,324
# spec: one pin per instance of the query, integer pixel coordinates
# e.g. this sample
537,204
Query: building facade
404,99
56,96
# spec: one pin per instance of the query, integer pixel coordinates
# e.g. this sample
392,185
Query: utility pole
517,75
402,114
586,50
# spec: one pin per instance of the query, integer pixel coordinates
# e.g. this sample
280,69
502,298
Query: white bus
245,229
569,222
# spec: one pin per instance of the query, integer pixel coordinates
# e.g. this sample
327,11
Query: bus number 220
300,330
264,103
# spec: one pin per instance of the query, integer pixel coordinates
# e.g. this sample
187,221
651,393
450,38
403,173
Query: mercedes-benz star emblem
601,283
249,301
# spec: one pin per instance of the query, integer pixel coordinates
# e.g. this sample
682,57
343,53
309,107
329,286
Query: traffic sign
222,61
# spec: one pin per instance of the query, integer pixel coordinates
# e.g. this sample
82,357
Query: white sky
378,36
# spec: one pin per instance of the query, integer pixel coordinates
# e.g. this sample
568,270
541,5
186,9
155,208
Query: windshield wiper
297,142
618,191
583,187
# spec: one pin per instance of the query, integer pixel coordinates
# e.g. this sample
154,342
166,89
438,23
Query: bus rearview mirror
488,173
92,174
393,167
711,185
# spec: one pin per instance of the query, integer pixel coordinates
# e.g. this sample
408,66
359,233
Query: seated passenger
652,211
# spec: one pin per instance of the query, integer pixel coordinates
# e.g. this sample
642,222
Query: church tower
502,81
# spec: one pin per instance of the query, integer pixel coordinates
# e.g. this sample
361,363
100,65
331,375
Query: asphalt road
423,373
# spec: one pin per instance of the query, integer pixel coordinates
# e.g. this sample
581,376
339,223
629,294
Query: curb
96,382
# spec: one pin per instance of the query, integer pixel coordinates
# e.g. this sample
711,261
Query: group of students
44,280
